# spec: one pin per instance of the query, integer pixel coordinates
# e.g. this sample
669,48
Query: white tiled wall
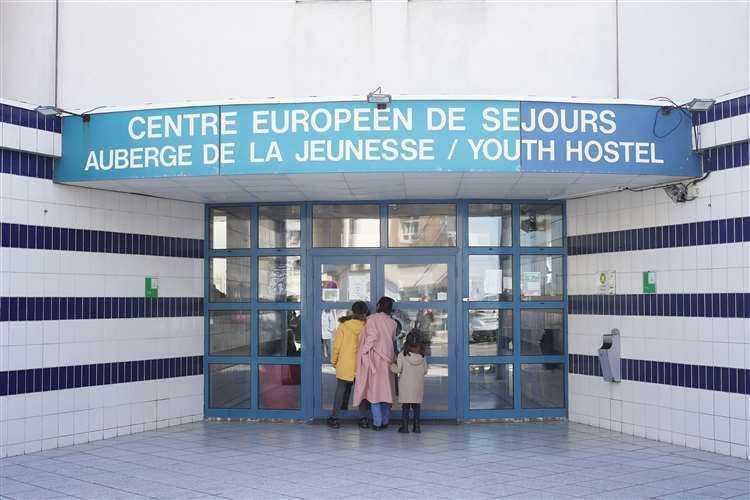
709,420
29,139
31,422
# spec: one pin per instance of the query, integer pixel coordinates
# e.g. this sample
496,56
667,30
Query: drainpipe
57,41
617,48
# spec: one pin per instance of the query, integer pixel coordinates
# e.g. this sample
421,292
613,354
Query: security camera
677,192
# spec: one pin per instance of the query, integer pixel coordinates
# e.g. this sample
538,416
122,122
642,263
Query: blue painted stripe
712,378
29,118
91,240
70,377
693,305
728,156
26,164
725,109
62,308
711,232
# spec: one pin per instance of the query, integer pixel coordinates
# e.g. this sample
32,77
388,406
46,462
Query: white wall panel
91,413
27,50
684,49
28,200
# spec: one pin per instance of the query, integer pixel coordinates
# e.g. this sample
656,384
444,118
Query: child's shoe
364,423
333,422
417,428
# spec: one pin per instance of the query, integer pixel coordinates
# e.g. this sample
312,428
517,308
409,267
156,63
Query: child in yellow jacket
344,358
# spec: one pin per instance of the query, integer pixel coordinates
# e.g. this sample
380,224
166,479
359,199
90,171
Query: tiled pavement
280,460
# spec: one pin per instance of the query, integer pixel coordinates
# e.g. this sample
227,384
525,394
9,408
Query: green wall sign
152,287
649,282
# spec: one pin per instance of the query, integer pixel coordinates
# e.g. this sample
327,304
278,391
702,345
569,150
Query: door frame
377,290
310,255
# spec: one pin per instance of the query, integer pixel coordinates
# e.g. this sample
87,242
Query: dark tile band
727,156
712,378
26,164
725,109
29,118
693,305
70,377
91,240
711,232
63,308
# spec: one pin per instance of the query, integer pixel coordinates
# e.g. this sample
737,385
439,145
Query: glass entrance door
423,290
338,283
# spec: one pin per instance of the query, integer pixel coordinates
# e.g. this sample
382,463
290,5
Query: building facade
498,264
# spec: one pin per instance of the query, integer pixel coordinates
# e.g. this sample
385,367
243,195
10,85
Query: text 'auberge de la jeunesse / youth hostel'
564,222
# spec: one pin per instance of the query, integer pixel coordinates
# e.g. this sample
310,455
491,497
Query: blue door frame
377,289
457,305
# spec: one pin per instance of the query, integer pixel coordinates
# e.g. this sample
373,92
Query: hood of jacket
352,325
414,359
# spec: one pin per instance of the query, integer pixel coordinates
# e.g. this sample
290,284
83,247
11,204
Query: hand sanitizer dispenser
609,356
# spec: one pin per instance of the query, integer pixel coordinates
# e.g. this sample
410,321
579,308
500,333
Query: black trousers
341,399
415,411
341,396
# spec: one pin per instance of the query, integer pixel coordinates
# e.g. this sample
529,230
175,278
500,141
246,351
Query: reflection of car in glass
484,326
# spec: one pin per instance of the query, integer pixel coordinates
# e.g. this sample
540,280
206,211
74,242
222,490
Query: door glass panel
490,332
490,387
541,277
228,386
329,321
228,333
279,333
490,225
279,279
422,225
541,225
279,387
229,228
490,277
346,226
432,324
541,331
345,282
416,282
436,390
542,385
230,279
279,226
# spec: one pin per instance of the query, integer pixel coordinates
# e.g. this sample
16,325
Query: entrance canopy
329,149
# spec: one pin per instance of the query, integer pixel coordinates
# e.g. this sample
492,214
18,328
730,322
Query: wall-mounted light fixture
55,111
698,104
694,105
378,98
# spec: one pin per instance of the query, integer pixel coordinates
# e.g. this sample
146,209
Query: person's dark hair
359,311
385,305
413,343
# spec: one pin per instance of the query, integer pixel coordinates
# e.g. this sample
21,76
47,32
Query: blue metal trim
311,305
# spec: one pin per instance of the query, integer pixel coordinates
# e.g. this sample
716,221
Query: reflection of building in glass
279,226
422,225
279,333
346,226
416,282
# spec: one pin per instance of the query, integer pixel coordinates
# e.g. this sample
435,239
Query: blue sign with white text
407,136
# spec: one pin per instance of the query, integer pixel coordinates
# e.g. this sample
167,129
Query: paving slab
553,460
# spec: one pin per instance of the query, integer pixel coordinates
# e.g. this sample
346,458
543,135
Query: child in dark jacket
411,367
